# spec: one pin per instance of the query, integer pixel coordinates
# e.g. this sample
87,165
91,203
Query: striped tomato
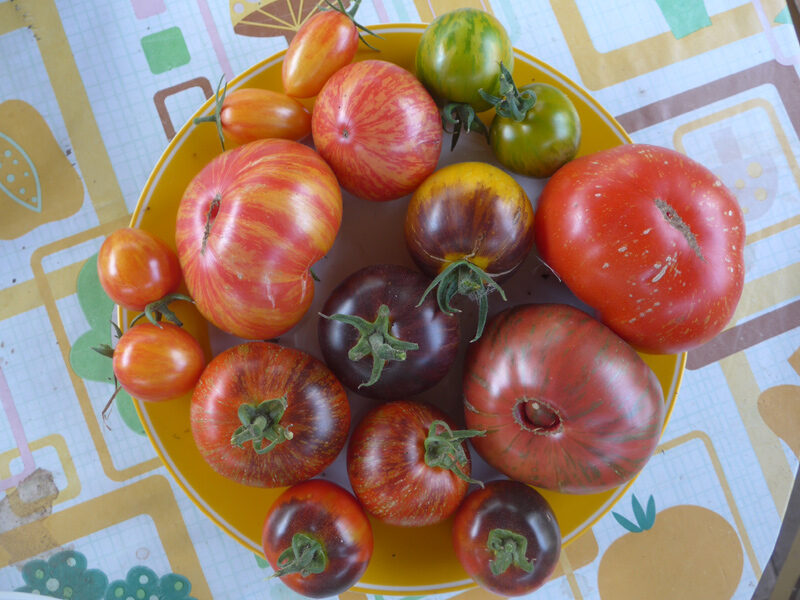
249,227
378,128
566,404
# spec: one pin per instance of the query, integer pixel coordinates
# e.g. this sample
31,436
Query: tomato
566,404
250,225
136,268
317,538
650,239
407,465
535,130
507,538
378,129
469,225
375,339
157,362
459,53
325,43
249,114
267,415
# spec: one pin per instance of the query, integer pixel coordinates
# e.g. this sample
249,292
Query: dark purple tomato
507,538
378,342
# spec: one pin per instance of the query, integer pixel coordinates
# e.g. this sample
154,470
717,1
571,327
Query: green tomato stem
306,556
458,117
339,7
215,118
443,449
261,424
508,548
511,104
375,340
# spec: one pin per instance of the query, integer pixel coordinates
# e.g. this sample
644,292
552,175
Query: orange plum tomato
157,362
136,268
249,227
378,128
317,538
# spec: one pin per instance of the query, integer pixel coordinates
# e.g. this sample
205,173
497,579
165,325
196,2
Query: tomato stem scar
213,209
672,217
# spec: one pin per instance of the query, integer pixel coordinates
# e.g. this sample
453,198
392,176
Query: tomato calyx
159,309
260,423
375,340
508,548
444,450
511,104
339,7
216,118
458,117
305,556
466,279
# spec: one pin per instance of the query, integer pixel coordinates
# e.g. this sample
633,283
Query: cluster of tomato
553,397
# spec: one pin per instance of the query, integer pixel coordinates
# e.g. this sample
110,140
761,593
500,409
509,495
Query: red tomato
650,239
250,114
317,538
157,362
325,43
267,415
378,128
507,538
407,465
566,404
136,268
249,227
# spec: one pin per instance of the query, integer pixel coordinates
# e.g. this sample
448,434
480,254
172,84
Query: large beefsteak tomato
650,239
249,227
268,415
566,404
378,128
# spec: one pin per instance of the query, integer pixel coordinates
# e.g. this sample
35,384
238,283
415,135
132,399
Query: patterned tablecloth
90,94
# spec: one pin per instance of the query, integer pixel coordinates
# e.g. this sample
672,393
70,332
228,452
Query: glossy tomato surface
250,114
136,268
249,227
325,43
399,289
546,138
159,362
388,471
566,404
507,538
460,53
650,239
315,416
324,518
378,128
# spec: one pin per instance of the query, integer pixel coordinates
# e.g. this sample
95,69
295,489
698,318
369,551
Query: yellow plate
406,561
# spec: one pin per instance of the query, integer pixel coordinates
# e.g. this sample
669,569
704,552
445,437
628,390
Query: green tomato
547,137
459,53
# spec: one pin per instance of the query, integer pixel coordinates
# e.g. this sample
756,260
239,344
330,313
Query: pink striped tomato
566,404
249,227
378,128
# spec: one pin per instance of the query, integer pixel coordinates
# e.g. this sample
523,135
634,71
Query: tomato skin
317,413
399,288
387,469
513,506
469,210
136,268
279,211
250,114
325,43
459,53
600,407
330,514
378,128
544,140
601,226
160,362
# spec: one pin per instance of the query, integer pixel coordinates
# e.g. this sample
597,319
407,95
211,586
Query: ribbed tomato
268,415
378,128
566,404
250,225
